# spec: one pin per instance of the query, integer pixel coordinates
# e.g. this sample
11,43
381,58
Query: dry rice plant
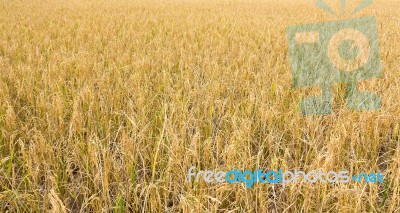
104,105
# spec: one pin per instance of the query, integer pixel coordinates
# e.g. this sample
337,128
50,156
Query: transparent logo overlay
343,51
249,178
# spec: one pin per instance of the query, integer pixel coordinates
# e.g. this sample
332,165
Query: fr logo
343,51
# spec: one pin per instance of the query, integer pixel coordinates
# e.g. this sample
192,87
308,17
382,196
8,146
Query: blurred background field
104,106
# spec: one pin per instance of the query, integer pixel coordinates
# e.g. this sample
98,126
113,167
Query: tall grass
104,105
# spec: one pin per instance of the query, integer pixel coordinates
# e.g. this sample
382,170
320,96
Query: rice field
105,105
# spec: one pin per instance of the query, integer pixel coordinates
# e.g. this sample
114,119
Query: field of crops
105,105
